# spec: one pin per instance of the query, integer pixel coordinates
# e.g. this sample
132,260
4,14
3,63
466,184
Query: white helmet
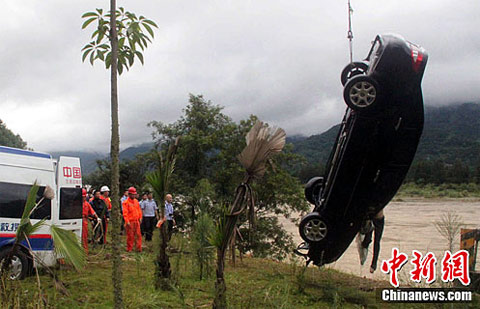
104,189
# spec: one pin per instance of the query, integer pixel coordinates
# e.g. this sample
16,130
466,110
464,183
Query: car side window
70,203
13,198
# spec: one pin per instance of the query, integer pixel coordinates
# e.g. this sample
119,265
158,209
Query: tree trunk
162,265
220,301
114,152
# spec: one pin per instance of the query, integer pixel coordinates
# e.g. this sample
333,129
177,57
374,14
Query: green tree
201,234
10,139
261,144
119,38
160,180
132,172
204,126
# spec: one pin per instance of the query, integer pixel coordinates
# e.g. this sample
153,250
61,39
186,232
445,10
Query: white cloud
280,60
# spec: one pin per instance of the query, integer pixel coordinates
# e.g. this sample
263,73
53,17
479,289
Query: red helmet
132,190
84,192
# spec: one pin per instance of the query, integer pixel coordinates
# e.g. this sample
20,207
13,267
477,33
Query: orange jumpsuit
87,210
108,202
132,214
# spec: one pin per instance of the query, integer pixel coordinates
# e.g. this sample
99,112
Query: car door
69,186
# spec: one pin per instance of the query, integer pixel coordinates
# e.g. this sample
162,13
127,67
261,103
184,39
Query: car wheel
361,93
353,69
19,265
313,189
313,228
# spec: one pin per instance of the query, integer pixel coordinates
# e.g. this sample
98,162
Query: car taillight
417,57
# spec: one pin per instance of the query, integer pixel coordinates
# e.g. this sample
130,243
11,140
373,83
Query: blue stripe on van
24,152
38,244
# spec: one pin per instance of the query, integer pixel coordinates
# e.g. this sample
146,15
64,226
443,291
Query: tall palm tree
114,153
262,143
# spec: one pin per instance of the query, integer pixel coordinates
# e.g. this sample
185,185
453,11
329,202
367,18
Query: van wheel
19,265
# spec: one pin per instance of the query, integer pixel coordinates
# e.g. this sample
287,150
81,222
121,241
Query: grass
252,283
446,190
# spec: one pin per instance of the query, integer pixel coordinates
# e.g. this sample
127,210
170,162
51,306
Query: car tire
313,189
361,93
20,266
313,228
353,69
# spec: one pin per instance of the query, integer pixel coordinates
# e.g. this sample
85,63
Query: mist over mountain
450,133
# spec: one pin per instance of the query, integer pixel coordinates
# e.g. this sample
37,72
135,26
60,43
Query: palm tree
114,154
160,182
127,35
262,143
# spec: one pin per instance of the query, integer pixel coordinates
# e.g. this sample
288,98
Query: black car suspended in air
374,148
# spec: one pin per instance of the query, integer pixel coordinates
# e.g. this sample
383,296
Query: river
409,225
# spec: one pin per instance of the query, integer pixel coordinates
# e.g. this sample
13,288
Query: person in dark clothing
102,211
377,230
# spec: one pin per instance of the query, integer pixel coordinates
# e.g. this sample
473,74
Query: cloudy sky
280,60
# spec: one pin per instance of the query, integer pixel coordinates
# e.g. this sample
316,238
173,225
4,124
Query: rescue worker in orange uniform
132,213
105,192
86,212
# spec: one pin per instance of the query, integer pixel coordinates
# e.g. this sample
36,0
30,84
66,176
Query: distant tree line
421,172
438,172
10,139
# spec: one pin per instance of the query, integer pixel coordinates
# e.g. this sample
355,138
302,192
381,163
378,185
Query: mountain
131,152
450,133
88,160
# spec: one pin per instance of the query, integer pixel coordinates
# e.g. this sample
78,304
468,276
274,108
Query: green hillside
450,133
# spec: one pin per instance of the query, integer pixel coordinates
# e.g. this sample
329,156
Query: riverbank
409,225
445,190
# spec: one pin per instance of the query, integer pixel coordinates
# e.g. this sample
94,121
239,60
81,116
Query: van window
70,203
13,198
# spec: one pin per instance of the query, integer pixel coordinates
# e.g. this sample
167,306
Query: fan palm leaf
262,142
67,245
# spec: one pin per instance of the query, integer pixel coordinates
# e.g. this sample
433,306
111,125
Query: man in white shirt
169,214
149,210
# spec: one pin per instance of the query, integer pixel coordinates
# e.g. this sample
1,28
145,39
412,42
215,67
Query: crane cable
350,33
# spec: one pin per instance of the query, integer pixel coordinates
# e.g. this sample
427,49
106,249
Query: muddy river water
409,225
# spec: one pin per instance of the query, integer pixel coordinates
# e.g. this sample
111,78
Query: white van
19,169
